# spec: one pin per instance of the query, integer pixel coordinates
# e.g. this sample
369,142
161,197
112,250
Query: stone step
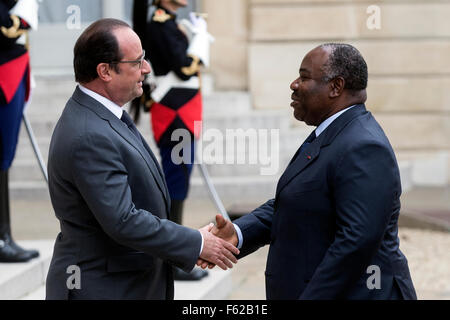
236,189
28,190
229,188
43,124
25,165
25,151
222,111
233,181
214,130
406,175
37,294
45,109
64,85
28,169
19,279
241,170
25,170
51,94
213,141
26,281
216,286
254,127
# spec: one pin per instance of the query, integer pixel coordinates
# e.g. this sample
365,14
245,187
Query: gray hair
347,62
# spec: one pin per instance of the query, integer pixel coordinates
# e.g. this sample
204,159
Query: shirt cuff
239,234
201,247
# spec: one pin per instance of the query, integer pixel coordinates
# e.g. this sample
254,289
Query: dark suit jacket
335,214
109,194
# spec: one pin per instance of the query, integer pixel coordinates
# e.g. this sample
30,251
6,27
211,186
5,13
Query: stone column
228,23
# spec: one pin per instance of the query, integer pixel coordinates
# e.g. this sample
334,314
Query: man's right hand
217,251
225,230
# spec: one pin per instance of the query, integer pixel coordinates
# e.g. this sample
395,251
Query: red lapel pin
308,157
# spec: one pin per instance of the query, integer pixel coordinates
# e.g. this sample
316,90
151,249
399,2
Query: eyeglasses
139,61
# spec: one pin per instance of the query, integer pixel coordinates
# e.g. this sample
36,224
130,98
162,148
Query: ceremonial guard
16,18
176,52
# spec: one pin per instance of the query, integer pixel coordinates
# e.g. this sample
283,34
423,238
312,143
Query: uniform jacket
14,58
334,217
177,101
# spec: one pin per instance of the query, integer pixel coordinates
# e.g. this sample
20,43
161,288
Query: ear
336,87
104,72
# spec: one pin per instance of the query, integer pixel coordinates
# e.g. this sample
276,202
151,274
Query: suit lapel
304,159
300,163
122,129
161,181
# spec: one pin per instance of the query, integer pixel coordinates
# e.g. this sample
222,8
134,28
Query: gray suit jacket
110,196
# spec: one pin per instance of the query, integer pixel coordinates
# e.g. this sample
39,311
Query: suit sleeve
365,186
256,227
101,178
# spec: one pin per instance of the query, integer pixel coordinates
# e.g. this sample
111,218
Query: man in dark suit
333,224
107,189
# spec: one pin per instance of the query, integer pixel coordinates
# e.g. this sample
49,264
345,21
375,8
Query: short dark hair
347,62
97,44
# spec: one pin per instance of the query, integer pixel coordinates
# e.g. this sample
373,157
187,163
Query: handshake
219,245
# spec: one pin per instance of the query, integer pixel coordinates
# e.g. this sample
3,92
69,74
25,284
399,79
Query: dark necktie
306,143
154,163
130,124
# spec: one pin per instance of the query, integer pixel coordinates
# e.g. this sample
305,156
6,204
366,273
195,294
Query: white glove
198,23
28,11
201,39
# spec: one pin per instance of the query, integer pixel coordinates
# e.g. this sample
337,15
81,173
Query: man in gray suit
107,189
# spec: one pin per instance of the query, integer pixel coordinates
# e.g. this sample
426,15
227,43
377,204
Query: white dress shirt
321,128
108,104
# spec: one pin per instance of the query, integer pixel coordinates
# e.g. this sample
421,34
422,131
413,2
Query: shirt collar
321,128
111,106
